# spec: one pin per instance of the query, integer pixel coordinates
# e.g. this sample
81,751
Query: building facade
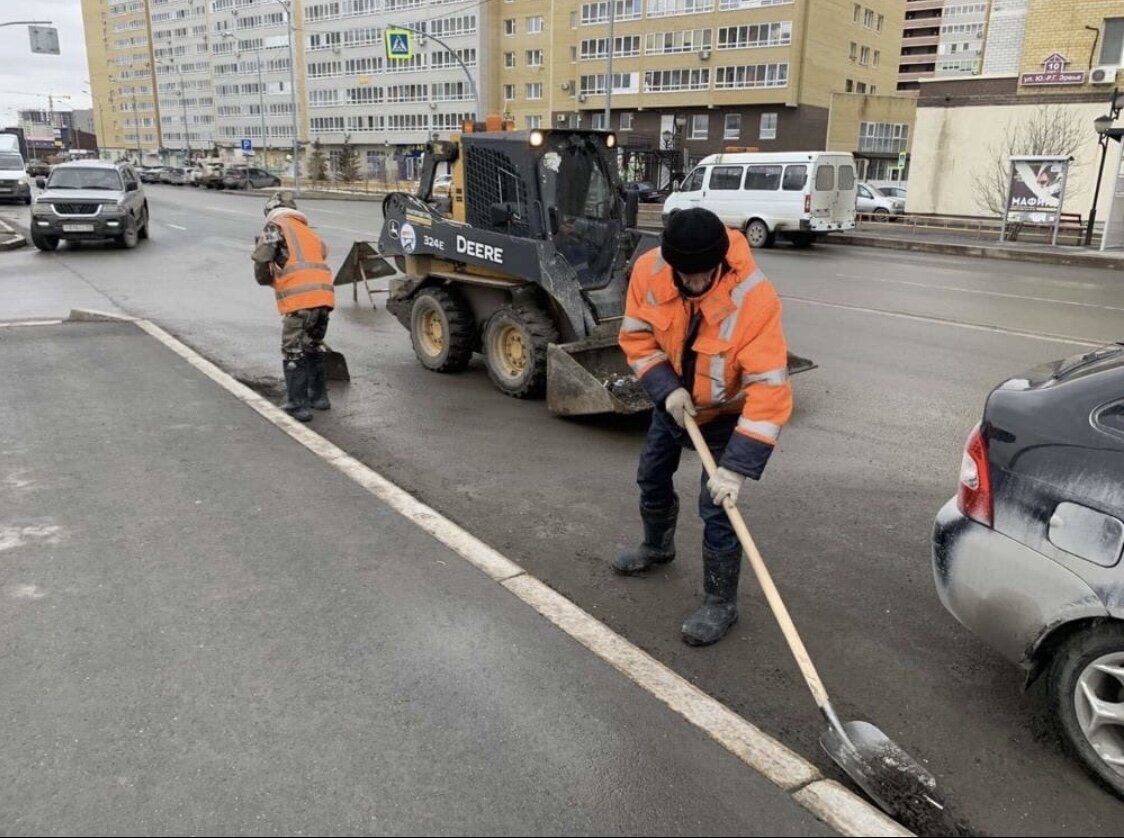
942,38
686,78
1055,81
122,78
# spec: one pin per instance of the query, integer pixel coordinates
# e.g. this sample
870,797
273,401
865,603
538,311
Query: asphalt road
908,347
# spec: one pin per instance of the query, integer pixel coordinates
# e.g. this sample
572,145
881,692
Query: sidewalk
969,245
208,629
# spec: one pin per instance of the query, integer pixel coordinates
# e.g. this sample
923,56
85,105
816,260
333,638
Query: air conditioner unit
1105,74
582,97
704,55
567,86
560,119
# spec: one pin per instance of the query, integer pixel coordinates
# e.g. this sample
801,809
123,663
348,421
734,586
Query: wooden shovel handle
795,644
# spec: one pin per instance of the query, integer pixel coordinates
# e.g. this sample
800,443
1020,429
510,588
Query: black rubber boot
296,388
719,610
659,542
317,381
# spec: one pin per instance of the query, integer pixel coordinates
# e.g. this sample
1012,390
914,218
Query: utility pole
288,7
609,69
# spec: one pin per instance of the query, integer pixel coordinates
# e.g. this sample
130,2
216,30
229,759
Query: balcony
923,6
933,23
920,40
915,76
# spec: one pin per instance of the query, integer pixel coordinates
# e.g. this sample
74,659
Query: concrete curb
839,807
10,236
1010,254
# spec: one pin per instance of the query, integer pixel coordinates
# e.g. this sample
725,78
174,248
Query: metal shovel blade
892,778
335,366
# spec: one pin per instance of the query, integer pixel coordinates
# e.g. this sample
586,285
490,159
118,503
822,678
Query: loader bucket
592,376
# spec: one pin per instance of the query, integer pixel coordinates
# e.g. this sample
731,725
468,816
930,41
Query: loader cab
558,186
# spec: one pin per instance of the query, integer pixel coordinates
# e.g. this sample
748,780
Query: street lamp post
1102,124
288,7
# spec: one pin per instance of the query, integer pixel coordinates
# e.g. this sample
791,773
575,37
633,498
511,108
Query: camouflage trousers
303,332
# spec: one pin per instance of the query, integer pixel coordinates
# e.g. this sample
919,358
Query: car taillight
807,204
974,497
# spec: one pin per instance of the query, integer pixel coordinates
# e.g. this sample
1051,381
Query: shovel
335,365
893,779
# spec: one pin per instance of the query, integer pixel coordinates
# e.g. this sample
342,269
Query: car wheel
881,214
759,234
143,232
131,236
44,242
1086,684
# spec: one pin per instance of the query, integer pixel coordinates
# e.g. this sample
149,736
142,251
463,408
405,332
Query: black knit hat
694,241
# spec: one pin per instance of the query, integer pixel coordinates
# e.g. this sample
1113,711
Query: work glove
679,403
725,484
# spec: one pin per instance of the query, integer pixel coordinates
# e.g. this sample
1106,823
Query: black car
38,168
1028,555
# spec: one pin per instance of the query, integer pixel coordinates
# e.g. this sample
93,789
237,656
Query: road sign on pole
399,45
44,39
247,145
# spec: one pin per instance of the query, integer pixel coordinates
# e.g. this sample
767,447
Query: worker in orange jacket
702,332
293,260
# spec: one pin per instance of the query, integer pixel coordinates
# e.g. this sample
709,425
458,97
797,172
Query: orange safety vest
742,364
304,282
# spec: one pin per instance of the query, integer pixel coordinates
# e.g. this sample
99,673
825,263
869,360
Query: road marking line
940,321
981,291
176,226
839,807
15,324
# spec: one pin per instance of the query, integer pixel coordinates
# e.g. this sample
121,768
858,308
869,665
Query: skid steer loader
525,259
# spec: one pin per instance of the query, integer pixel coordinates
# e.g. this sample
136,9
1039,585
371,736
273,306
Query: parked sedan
1028,555
870,200
175,175
648,192
247,177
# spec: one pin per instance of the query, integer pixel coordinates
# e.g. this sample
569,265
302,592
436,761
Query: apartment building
695,76
942,38
122,78
222,71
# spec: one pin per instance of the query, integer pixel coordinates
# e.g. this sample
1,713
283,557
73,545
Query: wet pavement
908,347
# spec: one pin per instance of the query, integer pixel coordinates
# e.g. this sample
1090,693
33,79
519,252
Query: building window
857,13
509,59
751,75
534,121
597,121
509,26
666,81
883,137
768,127
736,5
535,24
877,58
854,51
881,21
860,87
758,35
534,90
1112,50
864,56
849,87
534,58
685,40
508,92
626,121
868,18
700,125
732,128
673,8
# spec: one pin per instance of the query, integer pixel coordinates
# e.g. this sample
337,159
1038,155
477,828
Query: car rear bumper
1004,592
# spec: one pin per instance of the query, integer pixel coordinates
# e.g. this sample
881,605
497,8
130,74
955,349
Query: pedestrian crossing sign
399,44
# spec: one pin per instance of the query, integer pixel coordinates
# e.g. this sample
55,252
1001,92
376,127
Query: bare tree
1048,130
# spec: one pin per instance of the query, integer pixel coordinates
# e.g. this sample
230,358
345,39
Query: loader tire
515,343
442,330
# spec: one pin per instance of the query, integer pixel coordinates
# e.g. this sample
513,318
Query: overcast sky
26,79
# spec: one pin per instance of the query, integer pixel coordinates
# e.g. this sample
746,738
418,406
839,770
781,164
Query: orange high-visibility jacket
742,364
306,279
